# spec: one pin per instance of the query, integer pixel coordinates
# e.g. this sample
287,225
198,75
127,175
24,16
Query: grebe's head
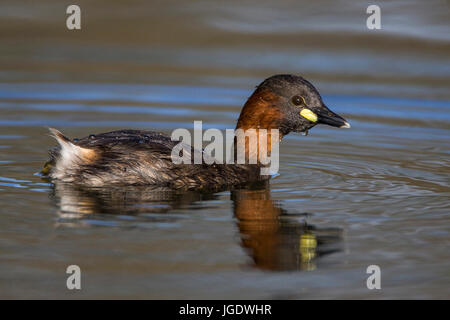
288,103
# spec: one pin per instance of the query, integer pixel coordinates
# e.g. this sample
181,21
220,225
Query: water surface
343,200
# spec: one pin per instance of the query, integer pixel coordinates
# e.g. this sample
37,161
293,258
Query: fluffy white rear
70,156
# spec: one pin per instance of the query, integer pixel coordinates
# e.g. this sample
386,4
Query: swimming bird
288,103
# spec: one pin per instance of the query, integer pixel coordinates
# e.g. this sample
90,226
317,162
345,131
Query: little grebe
132,157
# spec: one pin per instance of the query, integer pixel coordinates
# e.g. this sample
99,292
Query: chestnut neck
259,112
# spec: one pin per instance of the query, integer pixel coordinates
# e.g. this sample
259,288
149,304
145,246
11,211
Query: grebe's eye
298,101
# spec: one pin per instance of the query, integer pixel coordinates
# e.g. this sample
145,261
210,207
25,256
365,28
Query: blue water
376,194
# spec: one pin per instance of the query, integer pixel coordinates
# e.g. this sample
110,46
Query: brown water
344,199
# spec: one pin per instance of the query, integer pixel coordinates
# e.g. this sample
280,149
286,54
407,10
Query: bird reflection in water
274,238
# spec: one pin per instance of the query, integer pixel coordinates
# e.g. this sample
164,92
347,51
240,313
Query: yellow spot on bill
308,114
308,245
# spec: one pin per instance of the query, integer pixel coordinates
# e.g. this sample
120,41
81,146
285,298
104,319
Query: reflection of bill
251,146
